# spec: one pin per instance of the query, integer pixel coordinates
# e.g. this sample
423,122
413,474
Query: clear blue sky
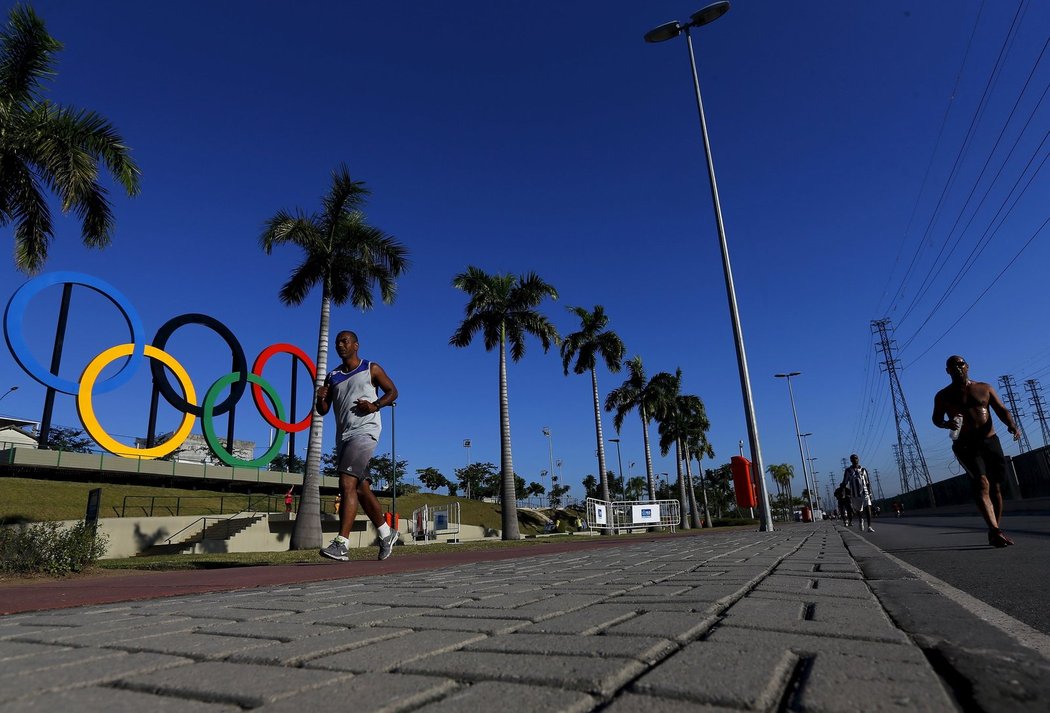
549,137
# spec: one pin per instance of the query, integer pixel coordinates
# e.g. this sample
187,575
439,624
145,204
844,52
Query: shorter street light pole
812,470
798,434
466,444
6,393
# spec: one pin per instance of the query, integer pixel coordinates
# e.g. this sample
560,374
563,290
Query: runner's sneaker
871,529
996,538
386,544
337,551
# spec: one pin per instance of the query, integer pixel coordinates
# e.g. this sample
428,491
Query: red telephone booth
742,482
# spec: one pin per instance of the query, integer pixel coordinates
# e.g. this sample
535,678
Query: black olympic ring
160,376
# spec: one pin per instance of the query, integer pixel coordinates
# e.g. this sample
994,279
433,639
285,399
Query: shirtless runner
976,445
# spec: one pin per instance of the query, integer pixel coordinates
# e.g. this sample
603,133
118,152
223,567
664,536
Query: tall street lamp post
798,435
13,388
667,31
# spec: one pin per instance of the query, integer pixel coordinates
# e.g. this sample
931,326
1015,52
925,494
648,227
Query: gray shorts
354,455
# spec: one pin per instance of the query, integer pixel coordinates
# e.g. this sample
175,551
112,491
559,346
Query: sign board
600,517
645,514
93,503
441,519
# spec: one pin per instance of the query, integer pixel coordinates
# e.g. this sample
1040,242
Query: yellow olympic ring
87,413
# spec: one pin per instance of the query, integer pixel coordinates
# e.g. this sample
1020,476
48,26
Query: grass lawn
38,500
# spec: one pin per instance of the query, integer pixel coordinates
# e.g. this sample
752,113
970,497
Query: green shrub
48,548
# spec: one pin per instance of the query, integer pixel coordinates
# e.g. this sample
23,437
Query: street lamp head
709,14
614,440
546,431
666,31
788,375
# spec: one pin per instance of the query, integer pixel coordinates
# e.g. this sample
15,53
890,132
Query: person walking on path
845,508
353,389
288,500
856,485
962,407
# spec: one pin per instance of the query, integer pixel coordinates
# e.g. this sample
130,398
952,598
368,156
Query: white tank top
345,387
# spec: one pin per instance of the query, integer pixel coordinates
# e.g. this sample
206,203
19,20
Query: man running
962,407
352,389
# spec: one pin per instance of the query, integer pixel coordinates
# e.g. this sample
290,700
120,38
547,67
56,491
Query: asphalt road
952,545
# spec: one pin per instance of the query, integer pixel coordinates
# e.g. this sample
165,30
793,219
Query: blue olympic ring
20,350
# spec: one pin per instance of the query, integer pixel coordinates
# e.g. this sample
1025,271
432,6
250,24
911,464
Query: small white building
195,449
18,432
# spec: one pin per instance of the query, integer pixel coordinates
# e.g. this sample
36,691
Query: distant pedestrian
353,388
845,508
962,407
338,502
289,500
856,486
898,507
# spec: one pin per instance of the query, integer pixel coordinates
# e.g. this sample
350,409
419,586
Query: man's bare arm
321,403
384,383
1003,413
939,413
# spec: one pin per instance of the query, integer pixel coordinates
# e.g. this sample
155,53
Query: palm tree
637,393
592,341
696,446
673,426
348,259
503,308
49,146
782,473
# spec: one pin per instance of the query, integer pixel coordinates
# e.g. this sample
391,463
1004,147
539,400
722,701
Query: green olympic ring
208,426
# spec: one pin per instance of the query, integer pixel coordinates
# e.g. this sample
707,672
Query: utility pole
907,438
1035,398
1006,384
878,484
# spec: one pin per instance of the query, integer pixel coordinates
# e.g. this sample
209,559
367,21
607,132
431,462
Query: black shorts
982,456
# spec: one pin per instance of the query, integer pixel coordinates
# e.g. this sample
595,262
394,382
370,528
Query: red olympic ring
257,392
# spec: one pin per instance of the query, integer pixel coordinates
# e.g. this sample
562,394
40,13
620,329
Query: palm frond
26,55
292,228
33,227
344,195
303,279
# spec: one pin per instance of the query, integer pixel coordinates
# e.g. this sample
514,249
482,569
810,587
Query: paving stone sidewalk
799,619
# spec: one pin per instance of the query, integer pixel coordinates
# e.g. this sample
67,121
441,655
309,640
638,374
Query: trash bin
807,514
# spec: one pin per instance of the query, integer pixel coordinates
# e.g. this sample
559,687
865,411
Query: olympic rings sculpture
136,350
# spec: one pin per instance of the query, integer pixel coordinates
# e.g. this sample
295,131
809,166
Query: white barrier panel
632,514
431,521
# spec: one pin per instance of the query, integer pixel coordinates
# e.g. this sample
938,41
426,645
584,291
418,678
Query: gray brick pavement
720,621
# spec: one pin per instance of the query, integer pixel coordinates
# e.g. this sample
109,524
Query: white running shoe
337,551
386,544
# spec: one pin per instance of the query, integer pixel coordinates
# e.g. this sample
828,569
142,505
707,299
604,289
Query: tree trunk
306,535
509,506
703,491
683,523
650,481
602,471
694,511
